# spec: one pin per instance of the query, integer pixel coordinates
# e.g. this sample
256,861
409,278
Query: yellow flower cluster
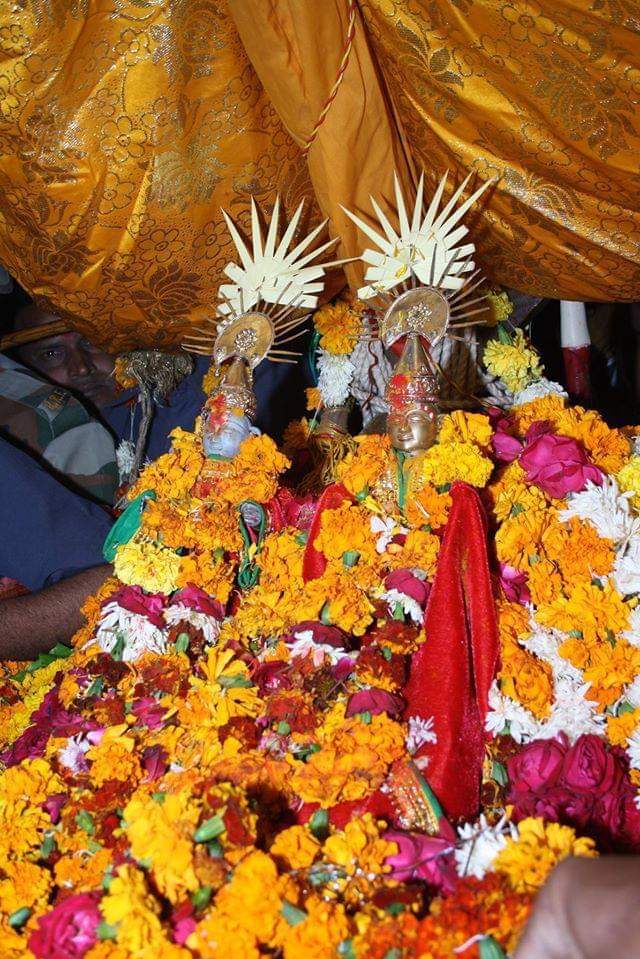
513,361
445,463
529,859
339,324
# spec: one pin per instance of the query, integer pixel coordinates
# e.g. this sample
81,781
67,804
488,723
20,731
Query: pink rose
404,581
69,930
133,599
197,599
149,712
374,701
590,768
558,465
537,767
505,447
422,857
154,762
514,584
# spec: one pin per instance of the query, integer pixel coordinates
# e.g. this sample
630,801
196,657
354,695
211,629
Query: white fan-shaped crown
426,247
270,272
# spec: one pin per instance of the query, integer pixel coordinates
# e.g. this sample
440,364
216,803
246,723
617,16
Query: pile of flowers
204,774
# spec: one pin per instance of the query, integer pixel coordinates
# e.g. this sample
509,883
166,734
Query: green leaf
575,633
319,824
84,820
350,558
210,829
214,848
325,619
301,538
504,336
48,846
362,495
292,914
365,718
105,931
118,647
393,953
182,642
283,729
96,687
386,652
533,559
516,509
395,908
108,878
45,659
499,774
490,949
611,637
18,918
234,682
159,797
398,612
345,949
200,898
625,708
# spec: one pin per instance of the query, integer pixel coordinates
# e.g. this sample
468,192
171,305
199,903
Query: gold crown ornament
422,279
262,309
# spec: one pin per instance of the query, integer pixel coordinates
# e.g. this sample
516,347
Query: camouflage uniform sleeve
49,422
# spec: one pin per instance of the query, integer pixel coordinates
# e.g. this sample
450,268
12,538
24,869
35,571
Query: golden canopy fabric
124,126
544,96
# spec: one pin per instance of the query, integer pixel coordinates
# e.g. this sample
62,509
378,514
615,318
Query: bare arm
589,909
33,624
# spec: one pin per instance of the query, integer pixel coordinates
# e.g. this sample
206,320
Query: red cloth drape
452,671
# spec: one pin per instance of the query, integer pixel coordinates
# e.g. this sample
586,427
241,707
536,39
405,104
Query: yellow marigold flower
15,717
511,493
344,530
313,397
82,873
447,462
360,470
339,324
528,860
161,834
114,757
254,471
148,565
253,897
226,689
295,848
173,474
349,608
629,479
24,885
130,907
609,670
582,553
597,613
500,307
32,779
296,435
546,408
219,936
351,763
280,561
420,551
211,379
319,935
359,846
214,576
463,427
620,728
608,448
545,582
515,363
425,505
525,535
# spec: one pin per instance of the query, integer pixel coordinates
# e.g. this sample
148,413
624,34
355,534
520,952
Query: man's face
71,361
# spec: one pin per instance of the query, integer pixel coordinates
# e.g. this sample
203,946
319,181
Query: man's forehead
60,339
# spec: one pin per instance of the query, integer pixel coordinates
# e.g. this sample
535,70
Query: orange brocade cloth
125,126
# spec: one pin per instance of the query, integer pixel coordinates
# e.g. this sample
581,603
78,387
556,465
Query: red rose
590,768
557,464
404,581
69,930
374,701
537,767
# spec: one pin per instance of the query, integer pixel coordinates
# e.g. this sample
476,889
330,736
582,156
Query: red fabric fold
452,671
314,562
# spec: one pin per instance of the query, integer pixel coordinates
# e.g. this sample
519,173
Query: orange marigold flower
319,934
360,470
620,728
463,427
425,505
599,613
295,848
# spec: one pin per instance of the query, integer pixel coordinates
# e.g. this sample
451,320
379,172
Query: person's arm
588,909
35,623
